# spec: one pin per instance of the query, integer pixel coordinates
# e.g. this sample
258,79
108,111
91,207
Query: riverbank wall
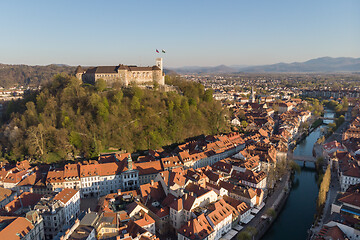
301,137
278,206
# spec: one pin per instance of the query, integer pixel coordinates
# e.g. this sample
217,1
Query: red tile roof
196,189
177,205
146,168
197,228
153,190
25,200
220,212
330,233
145,220
17,227
352,198
65,195
171,162
55,176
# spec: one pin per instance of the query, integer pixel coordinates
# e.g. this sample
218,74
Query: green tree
208,95
66,118
100,85
271,212
135,103
247,234
294,166
244,124
324,188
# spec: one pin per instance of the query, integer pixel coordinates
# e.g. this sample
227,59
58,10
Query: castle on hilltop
123,74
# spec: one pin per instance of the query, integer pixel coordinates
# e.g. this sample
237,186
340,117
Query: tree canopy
66,119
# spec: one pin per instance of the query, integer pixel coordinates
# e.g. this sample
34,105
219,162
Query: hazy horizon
210,33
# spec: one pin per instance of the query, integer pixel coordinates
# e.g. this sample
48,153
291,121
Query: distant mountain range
12,75
321,65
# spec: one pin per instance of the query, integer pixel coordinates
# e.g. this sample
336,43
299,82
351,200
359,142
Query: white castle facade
123,74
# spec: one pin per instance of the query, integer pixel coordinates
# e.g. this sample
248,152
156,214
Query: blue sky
201,33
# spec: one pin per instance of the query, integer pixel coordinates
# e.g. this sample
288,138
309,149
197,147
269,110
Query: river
298,213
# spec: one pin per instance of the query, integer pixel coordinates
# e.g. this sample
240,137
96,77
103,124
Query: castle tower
79,72
159,63
160,77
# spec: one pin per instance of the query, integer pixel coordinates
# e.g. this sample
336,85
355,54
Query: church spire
129,163
252,95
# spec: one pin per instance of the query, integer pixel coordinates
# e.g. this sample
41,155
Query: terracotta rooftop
144,220
16,227
146,168
326,233
197,228
25,200
4,193
220,211
351,197
65,195
153,190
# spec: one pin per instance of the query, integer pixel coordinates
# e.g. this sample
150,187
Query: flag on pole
163,51
157,51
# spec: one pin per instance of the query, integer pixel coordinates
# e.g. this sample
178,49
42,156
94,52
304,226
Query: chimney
119,192
152,182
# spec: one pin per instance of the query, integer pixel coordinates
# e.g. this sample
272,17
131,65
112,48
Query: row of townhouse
345,209
290,122
171,209
180,194
98,178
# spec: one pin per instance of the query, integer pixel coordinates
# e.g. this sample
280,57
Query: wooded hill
66,119
14,75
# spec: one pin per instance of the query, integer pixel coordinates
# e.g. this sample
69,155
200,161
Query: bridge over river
301,158
328,118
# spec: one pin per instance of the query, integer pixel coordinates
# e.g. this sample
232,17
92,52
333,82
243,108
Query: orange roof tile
55,176
24,200
17,228
146,168
65,195
197,228
145,220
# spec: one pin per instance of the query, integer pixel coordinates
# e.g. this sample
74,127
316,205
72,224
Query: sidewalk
330,198
276,200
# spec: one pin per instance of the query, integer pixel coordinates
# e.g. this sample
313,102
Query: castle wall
88,78
126,75
157,77
140,77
